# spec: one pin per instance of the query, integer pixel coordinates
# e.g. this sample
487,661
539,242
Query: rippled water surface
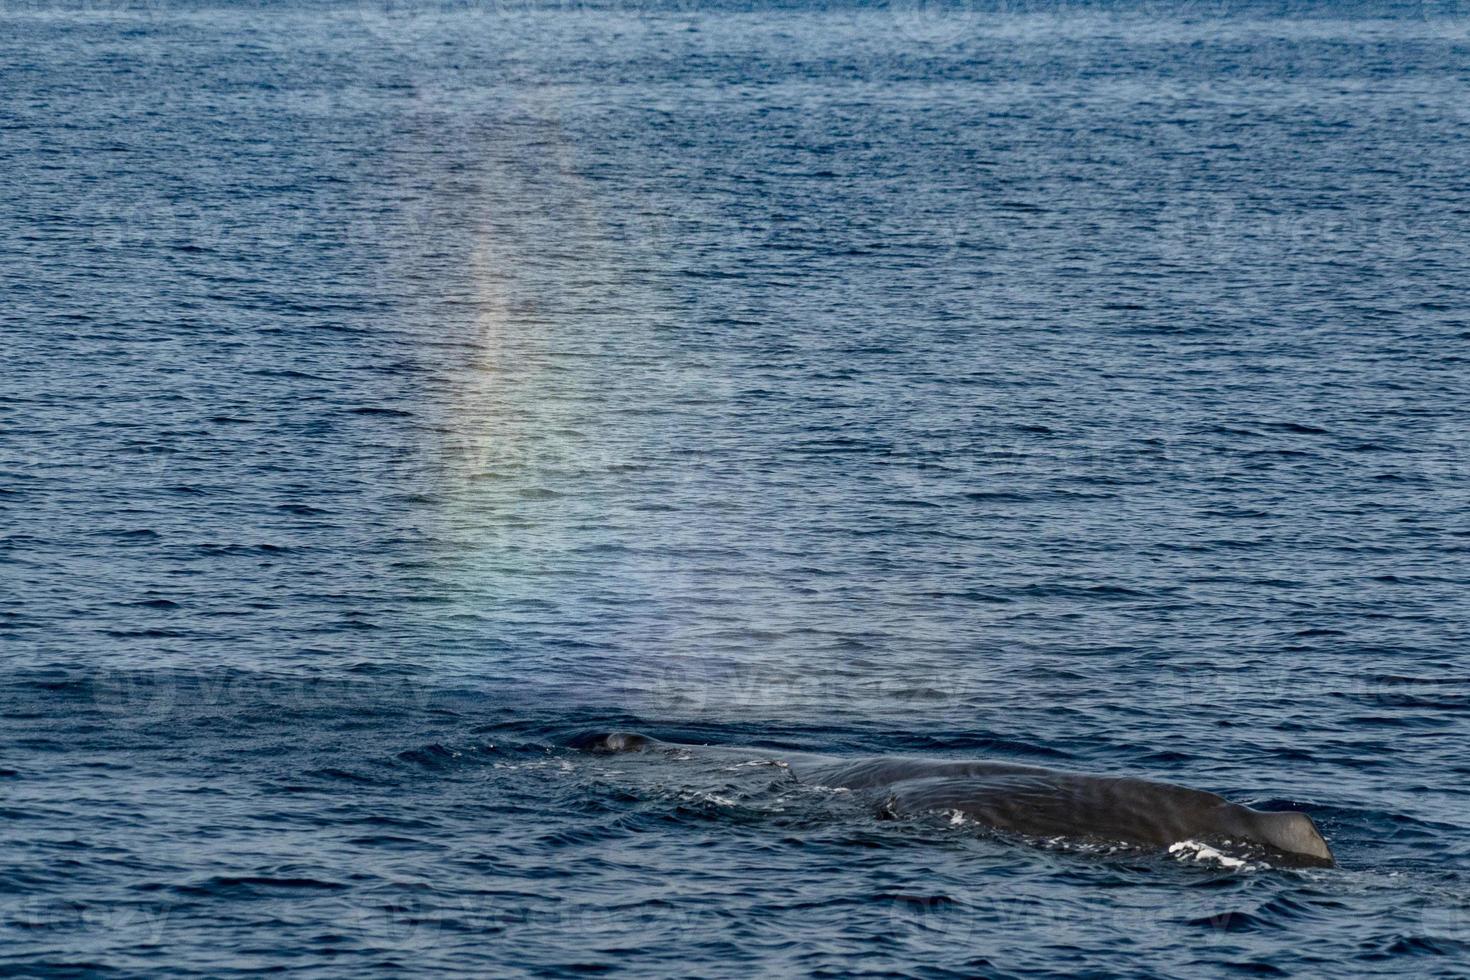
392,392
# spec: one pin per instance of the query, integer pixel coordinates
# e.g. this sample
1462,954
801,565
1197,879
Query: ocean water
394,391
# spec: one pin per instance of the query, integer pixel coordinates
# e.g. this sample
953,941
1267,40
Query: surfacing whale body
1035,801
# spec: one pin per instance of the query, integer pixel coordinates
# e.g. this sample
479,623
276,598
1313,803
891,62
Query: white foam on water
754,763
1186,850
695,796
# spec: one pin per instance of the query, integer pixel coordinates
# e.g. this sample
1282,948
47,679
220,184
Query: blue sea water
394,390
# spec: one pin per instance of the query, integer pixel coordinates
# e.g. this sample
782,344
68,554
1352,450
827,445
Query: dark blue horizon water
393,391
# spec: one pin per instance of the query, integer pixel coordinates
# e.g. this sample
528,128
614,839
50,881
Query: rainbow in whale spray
549,455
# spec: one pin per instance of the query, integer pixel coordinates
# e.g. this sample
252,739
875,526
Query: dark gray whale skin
1035,801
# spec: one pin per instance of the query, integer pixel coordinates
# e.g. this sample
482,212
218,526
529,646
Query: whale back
613,742
1046,802
1031,800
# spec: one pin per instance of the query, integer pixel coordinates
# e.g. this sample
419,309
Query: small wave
154,604
226,884
387,412
433,756
346,776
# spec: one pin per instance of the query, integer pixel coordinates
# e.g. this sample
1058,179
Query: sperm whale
1032,800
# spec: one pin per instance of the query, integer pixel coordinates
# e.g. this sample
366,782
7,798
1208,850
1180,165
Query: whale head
1294,834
